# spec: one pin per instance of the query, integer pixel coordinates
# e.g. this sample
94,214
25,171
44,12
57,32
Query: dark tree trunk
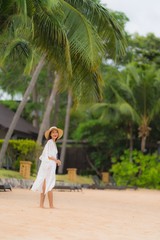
65,136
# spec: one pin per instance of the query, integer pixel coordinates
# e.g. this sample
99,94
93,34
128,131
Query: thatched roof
6,116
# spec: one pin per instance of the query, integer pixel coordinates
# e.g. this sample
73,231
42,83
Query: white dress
47,168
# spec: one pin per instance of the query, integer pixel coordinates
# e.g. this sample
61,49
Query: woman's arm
52,151
58,162
52,158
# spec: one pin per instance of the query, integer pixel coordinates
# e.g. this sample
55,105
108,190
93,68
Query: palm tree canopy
76,35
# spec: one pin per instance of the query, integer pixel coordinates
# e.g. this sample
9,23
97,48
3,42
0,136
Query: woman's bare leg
42,196
50,198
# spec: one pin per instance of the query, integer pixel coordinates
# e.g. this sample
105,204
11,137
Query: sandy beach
87,215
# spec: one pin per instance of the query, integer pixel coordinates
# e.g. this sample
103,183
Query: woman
46,178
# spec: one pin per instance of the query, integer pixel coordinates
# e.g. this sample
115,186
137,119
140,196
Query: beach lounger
67,187
5,187
99,185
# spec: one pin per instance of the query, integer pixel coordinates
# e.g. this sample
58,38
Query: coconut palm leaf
85,43
46,31
105,24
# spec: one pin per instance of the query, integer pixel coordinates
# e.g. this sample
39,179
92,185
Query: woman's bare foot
50,198
41,206
51,206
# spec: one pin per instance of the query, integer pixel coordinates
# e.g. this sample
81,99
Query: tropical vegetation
70,62
72,39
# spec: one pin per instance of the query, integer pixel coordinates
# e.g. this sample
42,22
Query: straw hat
47,133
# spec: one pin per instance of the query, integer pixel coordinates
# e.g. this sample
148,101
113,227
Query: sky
144,15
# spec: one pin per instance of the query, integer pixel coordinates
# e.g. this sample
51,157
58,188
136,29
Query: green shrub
142,171
21,150
102,144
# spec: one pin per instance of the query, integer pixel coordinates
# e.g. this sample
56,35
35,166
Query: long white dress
47,168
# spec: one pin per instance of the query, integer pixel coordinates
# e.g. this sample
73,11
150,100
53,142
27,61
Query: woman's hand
58,162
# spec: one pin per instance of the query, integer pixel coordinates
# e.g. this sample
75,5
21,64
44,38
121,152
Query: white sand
86,215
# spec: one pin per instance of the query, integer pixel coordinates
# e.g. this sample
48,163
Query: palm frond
155,110
133,73
87,86
85,43
6,9
18,49
50,36
105,24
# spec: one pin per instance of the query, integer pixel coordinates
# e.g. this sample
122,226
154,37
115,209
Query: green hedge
21,150
143,171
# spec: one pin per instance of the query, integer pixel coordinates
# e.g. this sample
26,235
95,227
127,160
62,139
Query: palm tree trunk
130,141
65,136
35,111
56,110
21,107
49,107
143,144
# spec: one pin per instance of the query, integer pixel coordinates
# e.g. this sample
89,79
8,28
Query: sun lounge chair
97,183
5,187
61,186
100,185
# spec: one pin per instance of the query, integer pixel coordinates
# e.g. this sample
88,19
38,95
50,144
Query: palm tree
67,37
49,107
20,107
41,20
66,129
136,96
147,99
